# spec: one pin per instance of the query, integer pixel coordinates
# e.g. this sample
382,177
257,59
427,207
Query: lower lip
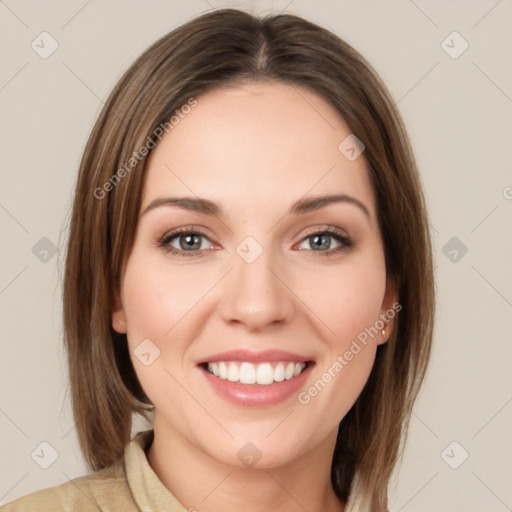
256,395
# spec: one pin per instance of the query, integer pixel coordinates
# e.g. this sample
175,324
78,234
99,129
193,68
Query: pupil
324,241
191,242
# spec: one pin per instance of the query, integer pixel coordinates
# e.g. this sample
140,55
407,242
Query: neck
201,483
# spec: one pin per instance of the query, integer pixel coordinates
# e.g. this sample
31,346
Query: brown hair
224,48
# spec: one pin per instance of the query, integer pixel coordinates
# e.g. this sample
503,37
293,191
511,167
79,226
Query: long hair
225,48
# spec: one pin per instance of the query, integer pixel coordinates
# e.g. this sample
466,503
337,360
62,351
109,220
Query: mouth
256,379
262,374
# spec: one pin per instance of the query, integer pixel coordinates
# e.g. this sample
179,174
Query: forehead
255,143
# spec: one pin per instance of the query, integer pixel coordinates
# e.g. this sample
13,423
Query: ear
118,314
389,310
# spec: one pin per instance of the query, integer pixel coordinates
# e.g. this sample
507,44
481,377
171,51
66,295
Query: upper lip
265,356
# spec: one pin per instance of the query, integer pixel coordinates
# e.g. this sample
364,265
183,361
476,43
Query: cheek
347,299
157,299
164,304
159,306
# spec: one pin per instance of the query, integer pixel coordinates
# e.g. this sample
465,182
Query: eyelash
346,242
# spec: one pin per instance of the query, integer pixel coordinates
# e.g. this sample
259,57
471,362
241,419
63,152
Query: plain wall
458,113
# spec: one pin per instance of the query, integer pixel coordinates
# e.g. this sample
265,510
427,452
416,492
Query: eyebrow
210,208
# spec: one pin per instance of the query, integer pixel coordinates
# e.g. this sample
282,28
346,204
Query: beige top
132,486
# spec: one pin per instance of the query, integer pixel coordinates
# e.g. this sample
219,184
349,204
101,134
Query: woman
249,268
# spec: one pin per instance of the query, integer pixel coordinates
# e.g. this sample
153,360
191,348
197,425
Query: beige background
458,112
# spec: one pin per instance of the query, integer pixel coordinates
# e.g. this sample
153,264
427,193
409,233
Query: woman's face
261,282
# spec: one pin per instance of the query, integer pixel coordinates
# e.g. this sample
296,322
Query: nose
256,294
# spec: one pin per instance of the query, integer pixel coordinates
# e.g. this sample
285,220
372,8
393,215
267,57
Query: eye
323,242
185,242
191,242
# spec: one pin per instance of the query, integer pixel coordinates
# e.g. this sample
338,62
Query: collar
147,489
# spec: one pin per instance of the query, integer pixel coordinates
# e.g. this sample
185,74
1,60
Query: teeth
247,373
223,371
279,372
263,373
233,373
215,369
288,373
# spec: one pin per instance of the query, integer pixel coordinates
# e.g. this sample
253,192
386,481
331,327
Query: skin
254,149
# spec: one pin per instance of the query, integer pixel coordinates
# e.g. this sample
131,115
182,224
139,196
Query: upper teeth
248,373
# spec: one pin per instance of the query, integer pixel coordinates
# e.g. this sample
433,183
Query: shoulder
106,490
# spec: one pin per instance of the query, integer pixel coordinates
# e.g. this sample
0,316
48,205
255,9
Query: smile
247,378
264,374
